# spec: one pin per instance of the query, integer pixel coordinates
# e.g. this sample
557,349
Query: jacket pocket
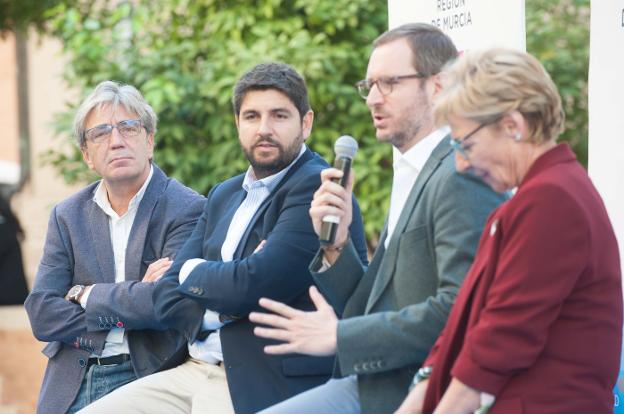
51,349
307,366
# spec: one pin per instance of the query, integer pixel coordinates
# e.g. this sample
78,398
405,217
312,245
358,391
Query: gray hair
114,94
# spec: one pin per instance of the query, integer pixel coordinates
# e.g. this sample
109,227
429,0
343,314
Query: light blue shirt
209,350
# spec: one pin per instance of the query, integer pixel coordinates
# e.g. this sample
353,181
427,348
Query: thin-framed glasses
459,144
128,128
384,84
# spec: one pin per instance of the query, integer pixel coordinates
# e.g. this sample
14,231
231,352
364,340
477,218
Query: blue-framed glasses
127,128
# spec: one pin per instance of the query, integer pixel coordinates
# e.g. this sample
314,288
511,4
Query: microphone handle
330,223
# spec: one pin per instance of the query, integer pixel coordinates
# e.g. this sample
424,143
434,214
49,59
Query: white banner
472,24
606,120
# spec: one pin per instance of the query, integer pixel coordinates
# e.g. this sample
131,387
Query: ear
437,82
306,124
237,121
86,156
513,123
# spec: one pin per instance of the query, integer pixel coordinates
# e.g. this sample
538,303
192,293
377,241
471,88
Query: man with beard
255,239
392,311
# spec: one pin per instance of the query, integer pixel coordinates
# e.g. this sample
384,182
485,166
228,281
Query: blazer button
82,362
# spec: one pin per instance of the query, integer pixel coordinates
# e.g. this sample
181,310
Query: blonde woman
537,324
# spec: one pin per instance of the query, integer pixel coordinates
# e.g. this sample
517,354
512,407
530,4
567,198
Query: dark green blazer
394,310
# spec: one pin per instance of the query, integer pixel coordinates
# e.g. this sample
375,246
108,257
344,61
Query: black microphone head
346,146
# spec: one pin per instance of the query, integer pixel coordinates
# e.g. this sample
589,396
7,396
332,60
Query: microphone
345,148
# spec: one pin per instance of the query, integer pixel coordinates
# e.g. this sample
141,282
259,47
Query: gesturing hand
311,333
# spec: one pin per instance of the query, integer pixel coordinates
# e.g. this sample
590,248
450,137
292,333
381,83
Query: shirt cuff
85,296
211,321
187,268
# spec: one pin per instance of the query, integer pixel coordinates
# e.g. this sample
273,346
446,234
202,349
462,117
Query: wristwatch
75,293
421,375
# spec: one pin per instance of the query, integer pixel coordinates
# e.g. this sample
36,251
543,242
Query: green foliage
558,35
185,56
18,14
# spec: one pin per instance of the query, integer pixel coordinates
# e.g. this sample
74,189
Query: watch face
75,291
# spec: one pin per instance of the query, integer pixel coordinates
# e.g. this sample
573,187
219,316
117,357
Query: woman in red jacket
537,325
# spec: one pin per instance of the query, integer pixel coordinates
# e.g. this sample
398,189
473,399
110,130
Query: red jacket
538,320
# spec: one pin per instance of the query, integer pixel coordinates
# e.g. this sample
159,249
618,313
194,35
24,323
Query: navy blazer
78,250
279,271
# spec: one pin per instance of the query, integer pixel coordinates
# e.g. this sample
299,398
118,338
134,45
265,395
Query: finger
277,334
279,308
280,349
328,188
330,199
268,319
260,246
330,173
159,273
318,299
319,213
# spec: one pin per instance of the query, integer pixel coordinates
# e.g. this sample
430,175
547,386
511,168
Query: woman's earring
518,136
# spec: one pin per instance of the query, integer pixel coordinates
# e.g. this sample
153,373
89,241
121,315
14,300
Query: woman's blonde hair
484,85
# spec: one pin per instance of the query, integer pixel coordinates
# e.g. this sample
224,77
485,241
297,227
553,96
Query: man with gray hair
105,246
254,239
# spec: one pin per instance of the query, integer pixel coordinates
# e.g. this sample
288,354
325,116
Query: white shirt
120,226
406,167
209,350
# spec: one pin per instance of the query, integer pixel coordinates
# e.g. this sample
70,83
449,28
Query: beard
410,126
265,167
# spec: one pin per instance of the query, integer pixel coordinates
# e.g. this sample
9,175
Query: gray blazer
393,311
78,250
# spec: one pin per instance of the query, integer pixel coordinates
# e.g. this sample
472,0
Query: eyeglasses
128,128
384,84
459,145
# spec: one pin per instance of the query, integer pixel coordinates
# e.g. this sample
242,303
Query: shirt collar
417,156
271,181
100,196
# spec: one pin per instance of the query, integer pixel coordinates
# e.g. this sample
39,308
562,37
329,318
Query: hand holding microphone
331,208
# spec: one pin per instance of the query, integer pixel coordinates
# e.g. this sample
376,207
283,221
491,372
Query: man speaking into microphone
392,311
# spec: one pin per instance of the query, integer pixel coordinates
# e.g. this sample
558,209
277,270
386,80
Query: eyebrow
271,111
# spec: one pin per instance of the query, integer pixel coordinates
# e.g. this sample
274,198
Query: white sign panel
472,24
606,120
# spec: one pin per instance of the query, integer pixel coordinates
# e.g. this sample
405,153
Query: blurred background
185,57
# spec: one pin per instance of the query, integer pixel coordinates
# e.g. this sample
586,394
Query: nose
116,140
461,163
265,127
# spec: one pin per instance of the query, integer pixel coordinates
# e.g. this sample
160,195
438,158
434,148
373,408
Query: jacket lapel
388,263
136,239
305,157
